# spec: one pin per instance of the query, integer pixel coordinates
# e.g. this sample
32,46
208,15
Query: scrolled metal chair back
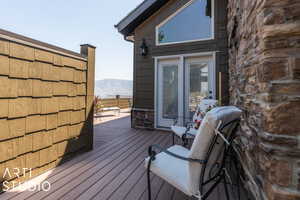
218,153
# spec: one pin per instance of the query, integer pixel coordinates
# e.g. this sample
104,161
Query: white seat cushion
171,169
180,130
204,137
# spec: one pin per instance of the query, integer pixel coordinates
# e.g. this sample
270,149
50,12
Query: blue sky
69,23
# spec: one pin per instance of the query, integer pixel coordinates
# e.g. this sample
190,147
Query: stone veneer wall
142,118
45,102
264,65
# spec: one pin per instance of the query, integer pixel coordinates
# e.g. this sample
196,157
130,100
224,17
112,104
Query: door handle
210,95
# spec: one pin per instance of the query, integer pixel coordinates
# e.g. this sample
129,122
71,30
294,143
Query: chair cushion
202,141
171,169
197,117
180,130
206,103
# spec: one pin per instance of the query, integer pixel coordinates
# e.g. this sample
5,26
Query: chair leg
149,182
185,141
173,138
237,178
225,187
212,188
238,188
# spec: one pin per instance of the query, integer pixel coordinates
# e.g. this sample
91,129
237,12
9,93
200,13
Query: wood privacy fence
46,104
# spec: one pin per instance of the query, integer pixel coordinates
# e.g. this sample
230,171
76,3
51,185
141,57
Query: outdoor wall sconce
144,48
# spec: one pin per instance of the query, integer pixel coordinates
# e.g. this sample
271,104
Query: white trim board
155,91
207,53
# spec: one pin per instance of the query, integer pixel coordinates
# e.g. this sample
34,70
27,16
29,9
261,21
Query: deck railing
121,103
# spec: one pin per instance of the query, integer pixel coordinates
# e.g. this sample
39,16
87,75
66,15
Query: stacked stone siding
142,118
264,63
43,108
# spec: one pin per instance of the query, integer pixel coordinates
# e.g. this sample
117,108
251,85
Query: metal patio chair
190,130
197,172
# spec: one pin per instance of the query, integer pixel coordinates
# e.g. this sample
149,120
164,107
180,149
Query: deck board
90,173
112,181
74,164
90,165
166,192
96,183
156,185
114,170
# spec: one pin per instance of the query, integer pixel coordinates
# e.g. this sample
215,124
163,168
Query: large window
193,22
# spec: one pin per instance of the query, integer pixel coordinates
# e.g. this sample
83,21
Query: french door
169,91
199,83
181,84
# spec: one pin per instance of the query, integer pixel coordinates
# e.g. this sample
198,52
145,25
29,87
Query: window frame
187,41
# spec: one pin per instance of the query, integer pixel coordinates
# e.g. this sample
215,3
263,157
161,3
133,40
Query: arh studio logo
25,173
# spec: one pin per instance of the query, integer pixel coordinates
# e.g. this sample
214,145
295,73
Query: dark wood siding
144,68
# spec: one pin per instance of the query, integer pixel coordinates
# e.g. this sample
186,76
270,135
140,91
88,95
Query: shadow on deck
113,170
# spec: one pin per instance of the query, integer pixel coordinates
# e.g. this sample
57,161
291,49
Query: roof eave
148,7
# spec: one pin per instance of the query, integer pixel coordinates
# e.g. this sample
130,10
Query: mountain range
109,88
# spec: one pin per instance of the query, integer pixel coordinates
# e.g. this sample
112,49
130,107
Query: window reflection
198,85
170,91
192,23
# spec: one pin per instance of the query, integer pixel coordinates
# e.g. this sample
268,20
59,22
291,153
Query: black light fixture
144,48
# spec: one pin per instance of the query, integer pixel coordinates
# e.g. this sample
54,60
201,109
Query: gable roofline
143,11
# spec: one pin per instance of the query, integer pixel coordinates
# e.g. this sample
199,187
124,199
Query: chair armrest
152,154
189,124
188,134
175,121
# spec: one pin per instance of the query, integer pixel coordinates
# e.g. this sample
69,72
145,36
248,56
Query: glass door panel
198,83
170,91
198,86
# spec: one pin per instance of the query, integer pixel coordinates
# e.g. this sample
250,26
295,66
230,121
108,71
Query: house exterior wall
144,66
46,98
264,63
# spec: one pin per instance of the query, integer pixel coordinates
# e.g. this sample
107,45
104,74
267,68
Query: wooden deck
114,170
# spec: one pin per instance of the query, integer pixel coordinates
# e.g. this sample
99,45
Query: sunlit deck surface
113,170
